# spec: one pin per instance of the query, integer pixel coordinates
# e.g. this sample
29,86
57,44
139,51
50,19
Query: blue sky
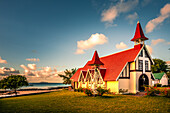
49,30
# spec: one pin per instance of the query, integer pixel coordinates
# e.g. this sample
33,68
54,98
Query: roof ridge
117,52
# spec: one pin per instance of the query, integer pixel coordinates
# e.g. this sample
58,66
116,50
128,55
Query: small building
126,70
160,78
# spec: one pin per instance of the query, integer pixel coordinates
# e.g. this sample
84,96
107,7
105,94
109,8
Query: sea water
44,85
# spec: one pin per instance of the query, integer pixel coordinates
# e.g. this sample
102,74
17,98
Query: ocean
44,85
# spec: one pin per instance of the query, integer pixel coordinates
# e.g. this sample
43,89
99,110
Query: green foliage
159,66
3,84
89,92
13,82
80,89
67,75
157,85
166,92
152,91
72,102
101,91
123,90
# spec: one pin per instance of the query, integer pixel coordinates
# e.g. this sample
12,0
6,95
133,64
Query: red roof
139,33
96,60
113,64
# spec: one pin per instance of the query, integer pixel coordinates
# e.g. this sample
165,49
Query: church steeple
96,60
139,37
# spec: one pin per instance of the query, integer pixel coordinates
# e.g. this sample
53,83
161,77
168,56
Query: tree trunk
15,91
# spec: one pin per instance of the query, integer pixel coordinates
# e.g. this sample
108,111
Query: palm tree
68,74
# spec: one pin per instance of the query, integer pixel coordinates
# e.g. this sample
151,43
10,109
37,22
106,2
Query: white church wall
132,83
124,84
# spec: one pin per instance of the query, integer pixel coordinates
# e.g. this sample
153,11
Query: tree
3,84
13,82
159,66
67,75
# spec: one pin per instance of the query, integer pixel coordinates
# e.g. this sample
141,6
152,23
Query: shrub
151,91
166,92
80,89
123,90
101,91
87,91
157,85
165,86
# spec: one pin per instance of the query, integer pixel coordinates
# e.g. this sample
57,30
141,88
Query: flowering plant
87,91
166,92
101,91
151,91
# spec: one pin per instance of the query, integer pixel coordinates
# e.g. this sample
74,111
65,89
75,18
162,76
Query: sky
42,38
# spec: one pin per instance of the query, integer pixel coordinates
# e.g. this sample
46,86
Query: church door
143,80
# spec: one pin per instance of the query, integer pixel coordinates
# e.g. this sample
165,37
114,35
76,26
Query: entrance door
143,80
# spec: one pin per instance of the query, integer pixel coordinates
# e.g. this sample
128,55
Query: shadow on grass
25,95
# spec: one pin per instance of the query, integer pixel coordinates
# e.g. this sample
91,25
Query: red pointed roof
95,60
113,64
139,33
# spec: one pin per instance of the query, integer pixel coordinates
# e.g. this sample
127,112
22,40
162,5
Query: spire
139,35
96,60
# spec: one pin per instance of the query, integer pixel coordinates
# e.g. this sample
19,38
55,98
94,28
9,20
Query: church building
126,70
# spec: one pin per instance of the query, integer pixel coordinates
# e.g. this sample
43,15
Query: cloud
110,14
44,74
32,66
157,41
3,61
122,45
95,39
168,43
132,17
149,49
33,59
4,71
164,13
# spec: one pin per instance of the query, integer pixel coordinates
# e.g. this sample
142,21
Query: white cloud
132,17
44,74
157,41
3,61
33,59
32,66
95,39
122,45
149,49
4,71
164,13
110,14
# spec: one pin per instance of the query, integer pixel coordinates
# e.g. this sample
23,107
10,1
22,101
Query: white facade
134,72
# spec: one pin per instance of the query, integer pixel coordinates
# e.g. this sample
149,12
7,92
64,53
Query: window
140,64
146,65
141,54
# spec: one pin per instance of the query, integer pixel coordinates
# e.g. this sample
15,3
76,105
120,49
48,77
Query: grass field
66,101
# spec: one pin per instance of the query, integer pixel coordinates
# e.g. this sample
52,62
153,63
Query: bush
80,89
123,90
166,92
87,91
165,86
152,91
157,85
101,91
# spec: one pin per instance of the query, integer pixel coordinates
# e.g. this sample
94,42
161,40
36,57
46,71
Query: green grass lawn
66,101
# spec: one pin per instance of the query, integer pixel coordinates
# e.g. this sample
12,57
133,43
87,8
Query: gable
158,75
144,48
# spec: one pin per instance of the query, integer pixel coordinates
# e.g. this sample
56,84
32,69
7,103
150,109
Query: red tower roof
139,33
96,60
